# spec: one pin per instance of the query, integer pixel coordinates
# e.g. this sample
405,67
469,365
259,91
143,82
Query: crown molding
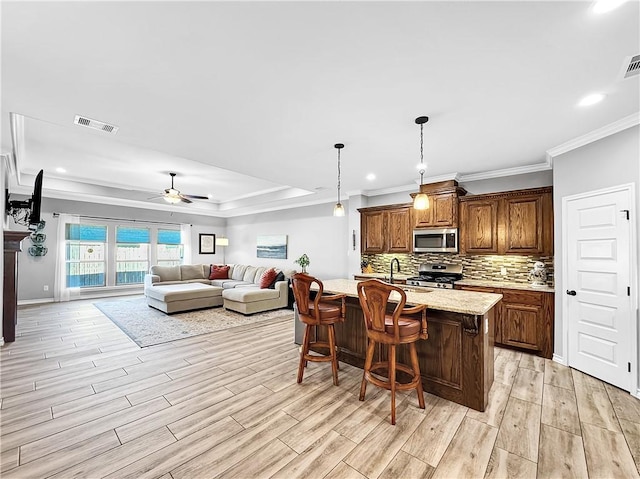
595,135
518,170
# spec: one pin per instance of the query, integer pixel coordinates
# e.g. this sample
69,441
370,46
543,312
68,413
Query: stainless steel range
436,275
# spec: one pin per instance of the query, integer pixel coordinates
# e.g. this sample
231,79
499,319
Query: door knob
571,292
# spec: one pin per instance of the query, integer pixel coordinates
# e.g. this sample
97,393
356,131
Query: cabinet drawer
522,297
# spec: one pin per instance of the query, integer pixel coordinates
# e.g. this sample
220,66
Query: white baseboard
559,359
24,302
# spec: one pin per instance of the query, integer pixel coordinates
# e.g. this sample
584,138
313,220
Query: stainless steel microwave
435,240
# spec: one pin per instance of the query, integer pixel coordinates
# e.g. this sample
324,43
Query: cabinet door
523,225
520,325
424,218
445,208
373,232
521,319
479,227
399,234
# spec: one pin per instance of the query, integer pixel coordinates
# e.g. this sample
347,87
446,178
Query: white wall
611,161
312,230
36,272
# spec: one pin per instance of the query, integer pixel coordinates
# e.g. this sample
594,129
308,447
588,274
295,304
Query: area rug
148,326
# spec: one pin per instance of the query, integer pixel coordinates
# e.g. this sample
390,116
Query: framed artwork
207,244
274,246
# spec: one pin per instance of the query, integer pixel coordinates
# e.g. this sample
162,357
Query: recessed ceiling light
604,6
592,99
61,170
371,177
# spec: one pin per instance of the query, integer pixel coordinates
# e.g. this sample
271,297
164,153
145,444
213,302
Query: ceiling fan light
338,210
173,199
421,202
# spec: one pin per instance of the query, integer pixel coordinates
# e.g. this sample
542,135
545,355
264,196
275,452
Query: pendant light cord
421,155
338,175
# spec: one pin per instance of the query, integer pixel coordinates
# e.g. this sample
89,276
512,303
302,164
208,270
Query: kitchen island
456,361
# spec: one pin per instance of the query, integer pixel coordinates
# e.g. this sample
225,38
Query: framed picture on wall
273,246
207,244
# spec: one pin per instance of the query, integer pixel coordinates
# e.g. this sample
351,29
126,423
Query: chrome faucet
391,269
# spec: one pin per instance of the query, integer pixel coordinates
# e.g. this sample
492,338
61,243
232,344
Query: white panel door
598,301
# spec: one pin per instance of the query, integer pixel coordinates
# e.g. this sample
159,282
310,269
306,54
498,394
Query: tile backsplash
481,267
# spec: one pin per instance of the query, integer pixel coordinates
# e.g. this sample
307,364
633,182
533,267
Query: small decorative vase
538,275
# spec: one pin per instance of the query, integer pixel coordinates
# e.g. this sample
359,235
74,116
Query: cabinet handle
571,292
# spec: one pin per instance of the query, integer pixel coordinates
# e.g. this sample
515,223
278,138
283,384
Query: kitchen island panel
456,361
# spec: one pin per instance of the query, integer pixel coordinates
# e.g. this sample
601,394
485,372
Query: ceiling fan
173,196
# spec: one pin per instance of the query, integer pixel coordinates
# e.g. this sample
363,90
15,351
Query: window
85,255
105,253
169,248
132,254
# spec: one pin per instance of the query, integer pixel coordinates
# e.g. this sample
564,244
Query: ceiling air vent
630,67
95,124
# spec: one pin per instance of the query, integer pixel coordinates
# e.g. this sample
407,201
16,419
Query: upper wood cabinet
372,225
386,229
399,234
479,226
513,222
443,205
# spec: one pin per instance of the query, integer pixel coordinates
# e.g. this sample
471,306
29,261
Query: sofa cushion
259,272
268,278
250,274
191,271
219,272
279,277
166,273
238,271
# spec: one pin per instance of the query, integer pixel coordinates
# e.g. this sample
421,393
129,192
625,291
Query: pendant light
338,209
421,200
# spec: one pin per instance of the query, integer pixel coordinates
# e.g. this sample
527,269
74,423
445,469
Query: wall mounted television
27,212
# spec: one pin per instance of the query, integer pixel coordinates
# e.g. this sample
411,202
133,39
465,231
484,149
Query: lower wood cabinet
523,319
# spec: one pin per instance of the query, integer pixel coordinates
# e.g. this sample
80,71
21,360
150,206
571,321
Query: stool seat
407,327
315,313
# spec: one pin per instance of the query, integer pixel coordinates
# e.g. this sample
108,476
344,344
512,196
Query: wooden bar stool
391,329
314,313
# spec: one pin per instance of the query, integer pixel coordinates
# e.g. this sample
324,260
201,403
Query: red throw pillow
267,278
219,272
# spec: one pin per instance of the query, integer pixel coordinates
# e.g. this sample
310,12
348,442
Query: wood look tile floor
80,399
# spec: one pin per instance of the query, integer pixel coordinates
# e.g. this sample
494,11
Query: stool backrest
374,296
301,285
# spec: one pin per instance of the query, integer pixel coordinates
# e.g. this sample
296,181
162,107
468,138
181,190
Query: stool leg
392,380
416,372
334,355
303,353
367,367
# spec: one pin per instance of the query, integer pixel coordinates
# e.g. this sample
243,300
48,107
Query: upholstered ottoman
173,298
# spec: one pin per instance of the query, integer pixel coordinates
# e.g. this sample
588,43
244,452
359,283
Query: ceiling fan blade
196,197
186,200
156,197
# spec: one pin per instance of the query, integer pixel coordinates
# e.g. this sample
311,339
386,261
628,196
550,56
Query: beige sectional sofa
241,292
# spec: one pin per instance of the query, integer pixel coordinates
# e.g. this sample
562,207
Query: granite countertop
503,285
456,301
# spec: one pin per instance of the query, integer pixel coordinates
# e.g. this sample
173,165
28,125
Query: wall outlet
46,287
503,271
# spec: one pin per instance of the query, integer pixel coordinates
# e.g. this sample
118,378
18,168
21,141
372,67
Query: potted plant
303,261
